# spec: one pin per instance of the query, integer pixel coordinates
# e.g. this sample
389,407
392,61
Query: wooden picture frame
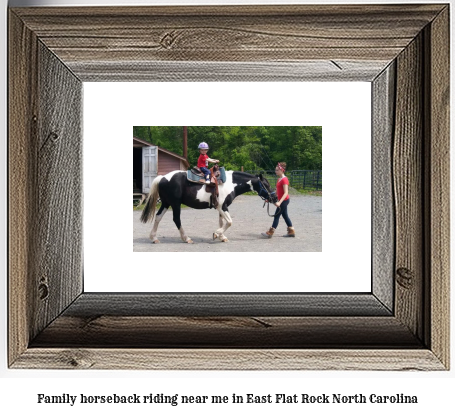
403,324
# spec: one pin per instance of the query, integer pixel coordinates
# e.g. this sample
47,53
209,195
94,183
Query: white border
344,111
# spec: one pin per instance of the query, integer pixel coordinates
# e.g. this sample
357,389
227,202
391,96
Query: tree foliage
254,148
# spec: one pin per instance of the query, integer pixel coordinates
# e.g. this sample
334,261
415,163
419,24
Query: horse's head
265,191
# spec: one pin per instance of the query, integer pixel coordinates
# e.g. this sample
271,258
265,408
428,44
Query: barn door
149,167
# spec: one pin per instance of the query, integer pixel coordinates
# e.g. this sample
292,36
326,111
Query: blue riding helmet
203,146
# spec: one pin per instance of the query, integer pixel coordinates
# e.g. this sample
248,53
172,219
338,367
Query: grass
309,192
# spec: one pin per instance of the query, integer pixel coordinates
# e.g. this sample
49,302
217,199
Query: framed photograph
402,323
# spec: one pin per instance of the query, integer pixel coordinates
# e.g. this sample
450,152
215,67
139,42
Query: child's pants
206,172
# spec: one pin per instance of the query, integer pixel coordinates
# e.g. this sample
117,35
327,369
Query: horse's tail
150,204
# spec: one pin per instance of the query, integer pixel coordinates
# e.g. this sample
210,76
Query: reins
267,199
268,208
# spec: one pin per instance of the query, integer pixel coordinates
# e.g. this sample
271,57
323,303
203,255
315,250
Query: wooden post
185,142
241,168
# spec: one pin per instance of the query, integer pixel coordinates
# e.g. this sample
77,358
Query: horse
174,189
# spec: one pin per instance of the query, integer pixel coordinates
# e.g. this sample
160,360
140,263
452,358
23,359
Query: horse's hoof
225,240
215,236
189,241
156,241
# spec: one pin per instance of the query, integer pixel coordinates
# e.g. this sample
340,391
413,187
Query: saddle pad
222,175
197,179
193,177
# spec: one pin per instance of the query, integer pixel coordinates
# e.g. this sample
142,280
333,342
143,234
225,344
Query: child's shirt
202,160
279,187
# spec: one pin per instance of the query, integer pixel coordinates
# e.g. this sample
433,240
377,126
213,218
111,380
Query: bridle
267,197
264,194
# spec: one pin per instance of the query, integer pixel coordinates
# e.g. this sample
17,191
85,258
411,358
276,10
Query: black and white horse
174,189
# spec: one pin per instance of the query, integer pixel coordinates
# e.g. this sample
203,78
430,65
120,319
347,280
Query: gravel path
249,220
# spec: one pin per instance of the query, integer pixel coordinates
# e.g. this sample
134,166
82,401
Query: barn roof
141,142
144,143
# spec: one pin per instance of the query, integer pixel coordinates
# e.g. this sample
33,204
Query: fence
306,179
298,179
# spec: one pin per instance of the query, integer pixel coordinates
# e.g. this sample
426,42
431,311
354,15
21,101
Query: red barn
150,161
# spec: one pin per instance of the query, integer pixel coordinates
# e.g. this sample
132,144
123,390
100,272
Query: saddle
218,176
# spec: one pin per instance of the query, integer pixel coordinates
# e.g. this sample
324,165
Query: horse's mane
243,174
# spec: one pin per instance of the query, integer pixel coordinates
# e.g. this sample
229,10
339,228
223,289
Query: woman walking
282,191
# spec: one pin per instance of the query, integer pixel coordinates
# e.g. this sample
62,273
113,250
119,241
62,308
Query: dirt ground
249,220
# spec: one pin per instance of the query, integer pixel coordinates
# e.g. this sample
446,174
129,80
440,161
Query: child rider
204,160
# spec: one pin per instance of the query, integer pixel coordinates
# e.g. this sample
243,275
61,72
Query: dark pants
284,213
206,172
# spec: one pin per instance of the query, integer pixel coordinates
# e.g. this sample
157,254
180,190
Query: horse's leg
163,209
224,214
221,222
176,215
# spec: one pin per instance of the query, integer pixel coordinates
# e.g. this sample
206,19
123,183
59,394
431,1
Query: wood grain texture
228,34
408,188
383,215
45,187
89,305
257,332
234,359
438,191
270,43
22,94
57,250
309,71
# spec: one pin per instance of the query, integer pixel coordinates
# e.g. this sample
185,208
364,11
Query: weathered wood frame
403,50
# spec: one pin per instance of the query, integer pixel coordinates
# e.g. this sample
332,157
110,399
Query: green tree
253,147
